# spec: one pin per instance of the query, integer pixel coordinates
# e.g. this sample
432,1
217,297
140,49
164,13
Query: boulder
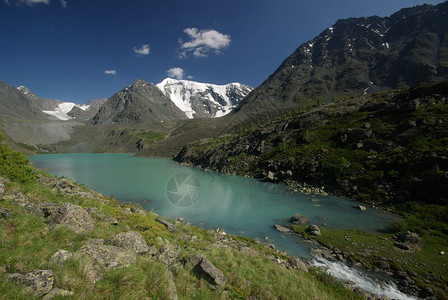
281,228
167,224
248,251
314,230
57,292
296,263
60,256
23,202
40,281
299,219
2,189
407,241
130,240
73,217
168,255
207,270
5,213
111,220
106,257
360,207
271,176
322,252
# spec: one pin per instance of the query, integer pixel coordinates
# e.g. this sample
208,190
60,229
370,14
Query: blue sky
78,50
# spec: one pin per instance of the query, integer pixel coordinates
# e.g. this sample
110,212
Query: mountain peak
198,99
359,55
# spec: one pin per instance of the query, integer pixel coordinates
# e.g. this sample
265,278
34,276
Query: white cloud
64,3
6,1
177,73
143,50
203,41
190,77
34,2
110,72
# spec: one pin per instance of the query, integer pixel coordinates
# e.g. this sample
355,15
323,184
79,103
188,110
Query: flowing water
240,206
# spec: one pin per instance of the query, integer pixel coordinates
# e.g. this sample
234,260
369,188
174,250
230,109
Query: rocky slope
137,104
43,104
359,55
15,104
197,99
386,148
88,111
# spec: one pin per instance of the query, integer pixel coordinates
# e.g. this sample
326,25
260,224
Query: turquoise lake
239,205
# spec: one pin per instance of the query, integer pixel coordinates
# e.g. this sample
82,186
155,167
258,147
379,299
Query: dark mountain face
13,103
43,104
139,103
359,55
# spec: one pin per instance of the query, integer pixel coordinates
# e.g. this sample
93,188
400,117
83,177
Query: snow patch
182,92
63,109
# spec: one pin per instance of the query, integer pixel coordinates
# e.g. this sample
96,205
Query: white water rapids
361,280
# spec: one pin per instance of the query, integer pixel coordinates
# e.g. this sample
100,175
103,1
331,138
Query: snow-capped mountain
197,99
63,110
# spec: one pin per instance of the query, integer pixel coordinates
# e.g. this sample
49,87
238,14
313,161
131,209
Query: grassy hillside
167,270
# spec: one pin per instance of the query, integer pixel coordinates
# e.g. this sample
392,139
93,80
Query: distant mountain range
355,56
142,102
63,110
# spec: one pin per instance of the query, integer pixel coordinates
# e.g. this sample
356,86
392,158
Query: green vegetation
150,137
13,164
28,243
373,251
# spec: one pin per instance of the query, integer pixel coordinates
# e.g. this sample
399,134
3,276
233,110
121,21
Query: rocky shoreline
122,249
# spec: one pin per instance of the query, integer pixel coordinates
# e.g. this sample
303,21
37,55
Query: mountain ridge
358,55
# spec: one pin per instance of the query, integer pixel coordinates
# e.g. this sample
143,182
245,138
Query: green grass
150,137
27,243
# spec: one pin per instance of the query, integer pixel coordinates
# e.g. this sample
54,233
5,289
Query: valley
354,122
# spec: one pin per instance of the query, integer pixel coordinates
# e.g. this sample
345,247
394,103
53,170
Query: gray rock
23,202
73,217
5,213
299,219
168,255
57,292
111,220
360,207
48,209
248,251
314,230
138,211
295,263
106,257
130,240
60,256
167,224
271,175
40,282
407,241
281,228
2,189
322,253
208,271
